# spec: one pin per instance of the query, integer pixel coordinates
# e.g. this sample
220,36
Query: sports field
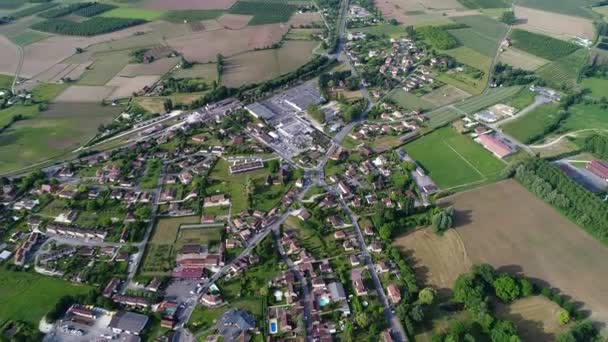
525,128
452,159
26,296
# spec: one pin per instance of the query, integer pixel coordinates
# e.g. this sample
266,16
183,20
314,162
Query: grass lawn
598,86
310,239
452,159
199,236
150,179
28,297
48,91
134,13
523,99
409,100
6,81
165,231
586,116
533,123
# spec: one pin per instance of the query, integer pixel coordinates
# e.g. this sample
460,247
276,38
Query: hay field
126,86
188,4
522,60
531,313
554,22
505,225
204,46
263,65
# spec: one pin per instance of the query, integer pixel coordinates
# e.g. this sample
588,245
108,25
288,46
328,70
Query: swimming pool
273,326
323,301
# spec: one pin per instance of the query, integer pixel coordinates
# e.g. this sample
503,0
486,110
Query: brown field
263,65
188,4
531,313
522,60
445,95
126,86
204,46
556,23
81,93
438,260
234,21
9,56
158,67
505,225
304,19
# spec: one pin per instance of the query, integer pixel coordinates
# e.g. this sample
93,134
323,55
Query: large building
598,168
128,322
496,146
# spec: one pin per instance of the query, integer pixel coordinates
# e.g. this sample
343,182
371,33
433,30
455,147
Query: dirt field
81,93
158,67
9,56
234,21
445,95
262,65
438,261
304,19
189,4
554,22
530,314
505,225
204,46
126,86
522,60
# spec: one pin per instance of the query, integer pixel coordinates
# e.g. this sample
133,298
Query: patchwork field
522,60
455,160
553,22
25,296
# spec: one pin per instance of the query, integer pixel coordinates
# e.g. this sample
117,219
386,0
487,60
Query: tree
504,331
143,213
362,319
508,17
506,288
485,272
527,289
168,105
386,232
426,296
352,83
563,317
443,220
417,313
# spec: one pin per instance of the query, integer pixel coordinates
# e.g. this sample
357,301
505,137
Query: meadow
134,13
28,297
529,126
541,45
466,81
564,71
455,160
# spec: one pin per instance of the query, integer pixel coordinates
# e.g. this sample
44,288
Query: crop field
490,97
522,60
442,116
535,318
61,128
91,27
25,296
158,260
234,21
557,23
29,37
476,41
124,87
188,4
84,93
531,124
263,65
541,45
522,99
264,12
471,58
191,15
484,3
483,35
134,13
105,67
564,71
525,235
304,19
455,160
409,100
569,7
445,95
206,71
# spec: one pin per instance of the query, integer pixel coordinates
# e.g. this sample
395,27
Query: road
571,134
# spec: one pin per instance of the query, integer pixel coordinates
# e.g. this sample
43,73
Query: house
303,214
216,200
68,217
354,261
111,288
340,235
128,322
394,295
208,219
359,286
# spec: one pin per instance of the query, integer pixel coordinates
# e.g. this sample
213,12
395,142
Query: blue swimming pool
273,326
323,301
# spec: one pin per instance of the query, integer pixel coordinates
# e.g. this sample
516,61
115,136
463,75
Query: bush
506,288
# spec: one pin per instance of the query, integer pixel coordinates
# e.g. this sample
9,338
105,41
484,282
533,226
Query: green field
541,45
28,297
191,15
564,72
522,99
409,100
475,4
134,13
455,159
598,86
532,124
464,81
442,116
483,34
489,97
264,12
6,81
28,37
106,66
571,7
584,117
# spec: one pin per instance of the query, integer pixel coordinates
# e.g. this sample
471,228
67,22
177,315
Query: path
571,134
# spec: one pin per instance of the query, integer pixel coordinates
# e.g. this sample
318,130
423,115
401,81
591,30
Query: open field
165,231
264,12
598,86
304,19
531,124
205,71
489,97
104,68
483,34
564,71
585,116
29,37
134,13
463,81
455,159
9,56
257,66
199,236
535,318
124,87
528,236
234,21
549,21
522,60
445,95
541,45
409,100
188,4
157,68
59,129
25,296
83,93
568,7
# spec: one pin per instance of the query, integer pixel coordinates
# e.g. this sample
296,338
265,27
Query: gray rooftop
129,321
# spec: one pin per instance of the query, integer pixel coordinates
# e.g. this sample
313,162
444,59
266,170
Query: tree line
90,27
597,145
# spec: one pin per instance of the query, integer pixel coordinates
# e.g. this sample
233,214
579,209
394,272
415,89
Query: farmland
409,100
445,95
564,71
568,7
522,60
28,297
456,159
465,81
483,34
488,98
484,3
555,23
264,12
598,86
530,126
541,45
